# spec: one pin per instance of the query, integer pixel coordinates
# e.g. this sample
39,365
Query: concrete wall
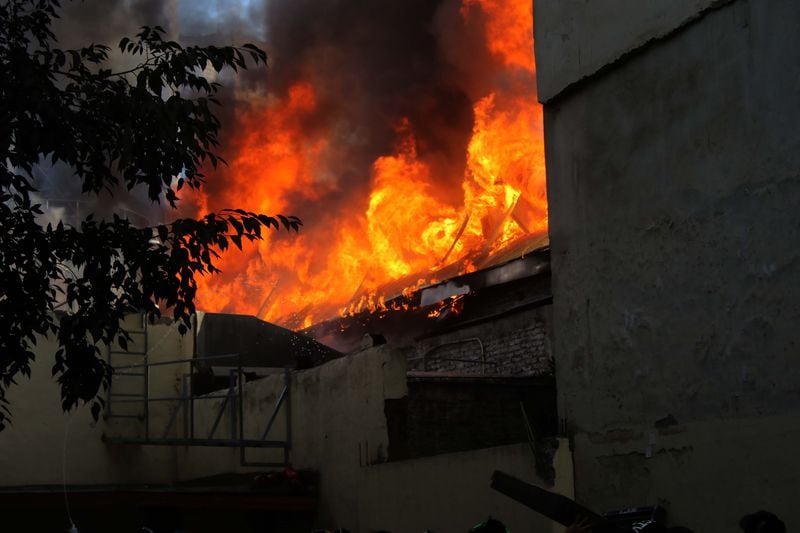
442,415
339,427
577,38
450,493
673,186
45,446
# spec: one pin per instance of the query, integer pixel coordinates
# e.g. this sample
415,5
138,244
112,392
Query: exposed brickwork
515,344
443,415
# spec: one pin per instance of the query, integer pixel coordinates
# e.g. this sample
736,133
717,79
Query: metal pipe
221,412
232,382
201,442
173,398
288,438
241,413
146,382
171,420
274,414
184,403
178,361
191,401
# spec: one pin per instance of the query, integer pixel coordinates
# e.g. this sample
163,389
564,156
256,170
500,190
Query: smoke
371,64
349,82
82,23
106,22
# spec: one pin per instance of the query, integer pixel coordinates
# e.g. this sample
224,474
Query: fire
509,29
398,234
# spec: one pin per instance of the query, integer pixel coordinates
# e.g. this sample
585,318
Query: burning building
407,137
412,311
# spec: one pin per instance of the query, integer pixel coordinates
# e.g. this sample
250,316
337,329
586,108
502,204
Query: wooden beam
556,507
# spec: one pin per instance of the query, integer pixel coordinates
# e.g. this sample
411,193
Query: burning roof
408,139
457,303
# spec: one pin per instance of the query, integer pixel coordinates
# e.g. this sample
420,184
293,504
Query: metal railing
232,401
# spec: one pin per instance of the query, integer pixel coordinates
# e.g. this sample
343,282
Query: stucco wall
42,439
450,493
339,427
673,186
577,38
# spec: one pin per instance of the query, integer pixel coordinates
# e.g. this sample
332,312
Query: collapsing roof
453,303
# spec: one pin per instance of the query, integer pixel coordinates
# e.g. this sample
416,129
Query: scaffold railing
183,406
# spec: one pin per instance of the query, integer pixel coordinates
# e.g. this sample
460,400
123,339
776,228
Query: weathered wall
442,415
450,493
339,427
42,439
673,186
515,344
576,38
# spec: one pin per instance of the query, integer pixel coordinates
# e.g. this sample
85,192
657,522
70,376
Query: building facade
673,158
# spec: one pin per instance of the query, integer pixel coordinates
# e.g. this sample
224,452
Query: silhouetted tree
151,126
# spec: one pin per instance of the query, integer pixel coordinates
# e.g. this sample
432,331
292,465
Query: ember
403,173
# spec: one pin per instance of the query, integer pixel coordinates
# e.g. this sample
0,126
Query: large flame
405,229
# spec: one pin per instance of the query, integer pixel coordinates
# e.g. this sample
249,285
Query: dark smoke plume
372,63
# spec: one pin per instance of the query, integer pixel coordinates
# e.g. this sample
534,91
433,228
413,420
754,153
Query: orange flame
404,232
509,29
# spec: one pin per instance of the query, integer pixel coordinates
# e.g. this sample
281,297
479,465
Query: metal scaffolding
232,401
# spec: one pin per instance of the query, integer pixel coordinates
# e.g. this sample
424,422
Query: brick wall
512,344
452,414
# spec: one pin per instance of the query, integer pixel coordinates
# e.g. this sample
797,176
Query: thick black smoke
372,63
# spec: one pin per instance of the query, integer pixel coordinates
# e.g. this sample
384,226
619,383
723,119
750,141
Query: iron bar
241,411
173,398
252,443
184,403
171,420
178,361
219,417
232,380
288,436
274,414
146,383
221,410
191,401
